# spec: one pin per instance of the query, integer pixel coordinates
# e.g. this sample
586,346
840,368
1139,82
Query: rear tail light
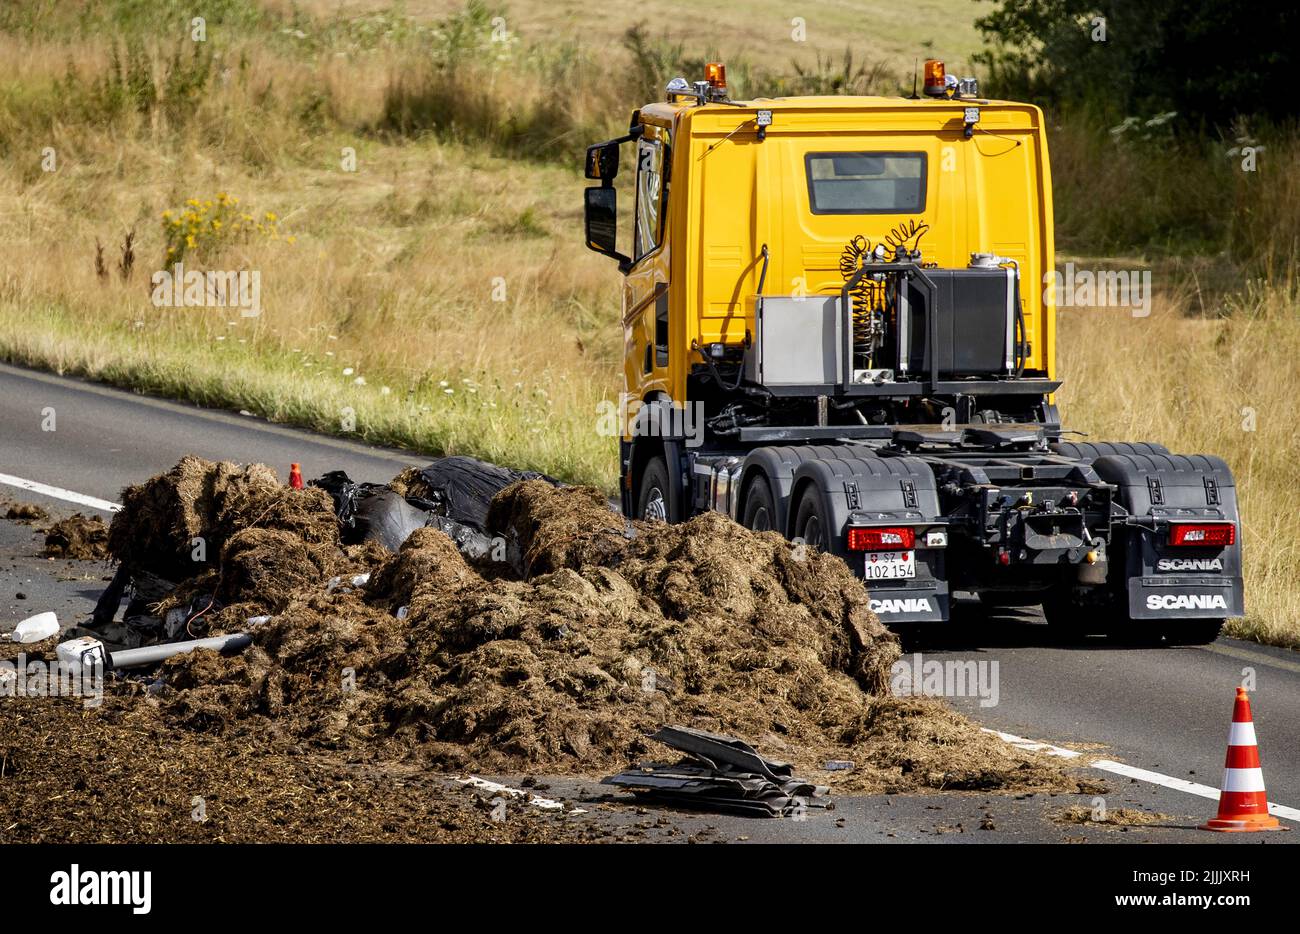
899,538
1203,534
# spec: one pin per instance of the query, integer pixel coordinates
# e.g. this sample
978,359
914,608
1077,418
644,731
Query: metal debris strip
719,773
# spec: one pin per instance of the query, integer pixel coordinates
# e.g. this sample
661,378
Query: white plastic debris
35,628
254,621
358,580
175,620
402,611
85,650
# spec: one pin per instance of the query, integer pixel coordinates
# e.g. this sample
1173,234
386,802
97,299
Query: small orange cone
1243,805
295,476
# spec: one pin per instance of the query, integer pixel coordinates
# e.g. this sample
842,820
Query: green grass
491,419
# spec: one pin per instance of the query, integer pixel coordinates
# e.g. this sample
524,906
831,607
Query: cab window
866,182
650,196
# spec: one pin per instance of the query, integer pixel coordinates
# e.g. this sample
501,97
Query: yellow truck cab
836,327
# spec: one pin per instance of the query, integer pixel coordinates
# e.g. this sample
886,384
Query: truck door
645,288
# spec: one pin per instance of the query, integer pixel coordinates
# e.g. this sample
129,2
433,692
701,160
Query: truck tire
653,498
810,520
760,507
1067,621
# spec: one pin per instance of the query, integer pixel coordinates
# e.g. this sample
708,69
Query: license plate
890,565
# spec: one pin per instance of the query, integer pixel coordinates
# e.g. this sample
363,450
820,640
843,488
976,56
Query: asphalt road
1164,710
104,439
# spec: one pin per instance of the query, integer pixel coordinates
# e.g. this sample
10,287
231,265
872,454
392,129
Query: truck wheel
760,507
809,523
1193,631
653,498
1068,621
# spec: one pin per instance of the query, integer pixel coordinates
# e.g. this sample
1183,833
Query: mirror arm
633,133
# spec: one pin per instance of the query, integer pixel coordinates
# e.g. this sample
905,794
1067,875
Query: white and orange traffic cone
1243,804
295,476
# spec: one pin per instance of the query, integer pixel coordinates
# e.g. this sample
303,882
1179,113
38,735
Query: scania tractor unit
837,328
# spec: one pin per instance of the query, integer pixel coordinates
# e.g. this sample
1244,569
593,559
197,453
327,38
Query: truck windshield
866,182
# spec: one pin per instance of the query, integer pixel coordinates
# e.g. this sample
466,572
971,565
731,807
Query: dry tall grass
1212,384
433,298
394,281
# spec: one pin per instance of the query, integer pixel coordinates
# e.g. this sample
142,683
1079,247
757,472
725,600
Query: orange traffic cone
295,476
1243,805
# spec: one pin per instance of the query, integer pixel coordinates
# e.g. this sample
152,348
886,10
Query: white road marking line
1156,778
497,788
1032,746
70,496
1128,771
1259,658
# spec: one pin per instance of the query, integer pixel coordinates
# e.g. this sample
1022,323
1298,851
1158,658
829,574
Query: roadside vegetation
406,178
1171,156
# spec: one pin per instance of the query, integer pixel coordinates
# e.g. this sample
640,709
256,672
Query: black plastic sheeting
347,496
462,488
460,492
386,518
459,489
139,626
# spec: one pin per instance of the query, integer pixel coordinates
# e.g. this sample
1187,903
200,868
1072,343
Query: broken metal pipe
133,658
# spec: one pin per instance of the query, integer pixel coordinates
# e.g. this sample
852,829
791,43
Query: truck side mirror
602,161
601,217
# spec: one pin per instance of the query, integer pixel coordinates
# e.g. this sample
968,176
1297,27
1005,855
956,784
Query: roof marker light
935,85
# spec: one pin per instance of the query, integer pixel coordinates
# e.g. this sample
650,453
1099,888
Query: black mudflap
865,490
1164,581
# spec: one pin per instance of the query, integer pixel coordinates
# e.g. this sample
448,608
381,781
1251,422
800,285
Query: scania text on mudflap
834,330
